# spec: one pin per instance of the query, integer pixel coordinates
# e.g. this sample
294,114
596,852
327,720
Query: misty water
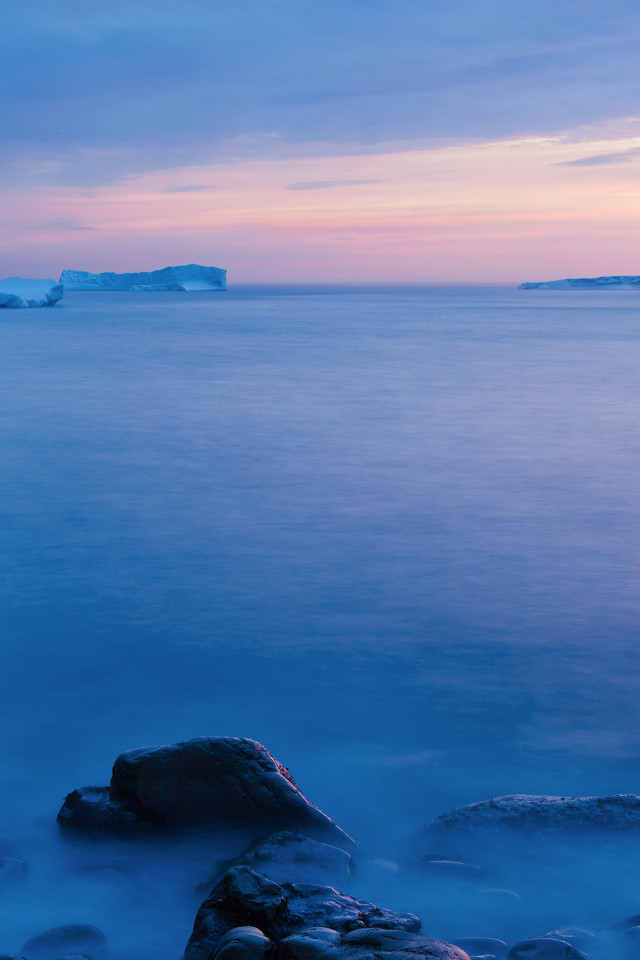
393,535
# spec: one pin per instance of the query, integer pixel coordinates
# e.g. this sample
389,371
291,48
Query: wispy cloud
67,223
599,159
144,95
191,188
327,184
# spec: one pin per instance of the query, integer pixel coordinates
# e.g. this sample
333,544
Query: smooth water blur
392,534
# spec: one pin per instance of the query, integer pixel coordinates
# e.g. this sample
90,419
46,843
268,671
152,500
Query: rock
544,948
397,945
280,910
322,943
12,869
628,922
217,782
75,939
242,943
93,810
576,936
291,856
482,946
314,943
524,812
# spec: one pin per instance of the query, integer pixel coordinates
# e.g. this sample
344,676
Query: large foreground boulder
304,921
524,812
216,782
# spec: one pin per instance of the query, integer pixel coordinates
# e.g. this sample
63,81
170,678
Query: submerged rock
216,782
291,856
576,936
483,947
12,869
279,910
544,948
75,939
525,812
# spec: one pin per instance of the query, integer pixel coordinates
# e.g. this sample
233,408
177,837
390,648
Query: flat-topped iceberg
583,283
189,277
20,292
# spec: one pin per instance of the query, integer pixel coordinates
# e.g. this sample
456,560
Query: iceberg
584,283
189,277
20,292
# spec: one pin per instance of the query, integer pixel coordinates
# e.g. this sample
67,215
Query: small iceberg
20,292
190,277
584,283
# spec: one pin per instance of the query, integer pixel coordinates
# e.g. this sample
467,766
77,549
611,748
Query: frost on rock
584,283
190,277
19,292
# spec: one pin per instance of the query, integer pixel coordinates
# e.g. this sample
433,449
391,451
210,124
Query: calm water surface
394,535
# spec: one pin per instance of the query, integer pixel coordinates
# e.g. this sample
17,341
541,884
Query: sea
392,533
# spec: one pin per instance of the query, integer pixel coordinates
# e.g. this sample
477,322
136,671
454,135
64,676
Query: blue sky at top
133,86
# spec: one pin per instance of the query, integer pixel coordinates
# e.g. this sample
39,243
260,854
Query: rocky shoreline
281,898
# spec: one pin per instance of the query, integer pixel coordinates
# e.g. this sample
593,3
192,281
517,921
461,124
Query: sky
377,141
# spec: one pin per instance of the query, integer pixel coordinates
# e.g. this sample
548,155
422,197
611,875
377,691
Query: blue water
392,534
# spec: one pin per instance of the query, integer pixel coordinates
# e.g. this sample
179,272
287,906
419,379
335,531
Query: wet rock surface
544,948
92,810
524,812
202,782
76,939
279,910
281,899
242,943
397,945
292,856
581,939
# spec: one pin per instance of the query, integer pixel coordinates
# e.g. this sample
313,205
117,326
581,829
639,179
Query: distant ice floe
190,277
20,292
583,283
